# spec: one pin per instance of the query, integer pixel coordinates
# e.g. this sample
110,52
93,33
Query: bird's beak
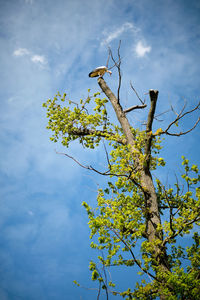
110,73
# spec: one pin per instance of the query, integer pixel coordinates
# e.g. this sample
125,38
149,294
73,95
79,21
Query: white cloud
116,33
141,49
35,58
39,59
21,52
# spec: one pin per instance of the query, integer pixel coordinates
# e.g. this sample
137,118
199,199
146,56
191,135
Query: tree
135,210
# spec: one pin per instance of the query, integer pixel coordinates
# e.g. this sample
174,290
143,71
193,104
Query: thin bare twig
132,254
143,102
106,282
108,59
119,71
107,157
182,110
106,173
118,65
156,117
164,112
99,291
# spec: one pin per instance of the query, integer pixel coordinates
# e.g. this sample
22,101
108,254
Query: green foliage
77,122
118,222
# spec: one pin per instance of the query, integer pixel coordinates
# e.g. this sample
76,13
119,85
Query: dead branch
119,70
143,102
118,65
132,254
106,173
156,117
107,157
185,132
134,107
108,59
164,112
179,117
153,97
182,110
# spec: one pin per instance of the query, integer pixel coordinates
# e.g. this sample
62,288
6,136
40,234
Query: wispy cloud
119,31
35,58
141,49
21,52
39,59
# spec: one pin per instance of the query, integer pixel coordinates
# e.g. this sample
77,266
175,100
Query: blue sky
50,46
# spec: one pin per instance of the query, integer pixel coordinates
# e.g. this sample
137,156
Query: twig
106,282
134,107
108,59
117,64
132,254
182,133
179,117
167,239
99,291
143,102
107,157
119,71
106,173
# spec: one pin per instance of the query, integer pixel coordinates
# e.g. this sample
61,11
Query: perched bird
100,71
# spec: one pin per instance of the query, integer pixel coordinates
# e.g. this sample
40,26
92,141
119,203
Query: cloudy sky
49,46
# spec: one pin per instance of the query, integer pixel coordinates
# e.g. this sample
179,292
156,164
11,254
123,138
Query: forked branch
179,117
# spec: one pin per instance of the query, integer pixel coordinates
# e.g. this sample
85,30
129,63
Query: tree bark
152,214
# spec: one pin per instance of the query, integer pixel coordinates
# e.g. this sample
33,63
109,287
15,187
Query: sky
50,46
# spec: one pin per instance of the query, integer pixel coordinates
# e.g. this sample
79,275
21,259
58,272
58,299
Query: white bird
100,71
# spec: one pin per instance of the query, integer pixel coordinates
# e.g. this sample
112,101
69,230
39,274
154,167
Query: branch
153,97
105,282
117,64
182,133
156,117
86,131
108,59
167,239
143,102
132,254
106,173
119,71
107,157
179,117
119,112
134,107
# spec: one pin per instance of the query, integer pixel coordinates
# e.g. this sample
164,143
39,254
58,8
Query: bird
100,71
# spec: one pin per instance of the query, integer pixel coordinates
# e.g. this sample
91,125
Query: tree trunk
152,215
